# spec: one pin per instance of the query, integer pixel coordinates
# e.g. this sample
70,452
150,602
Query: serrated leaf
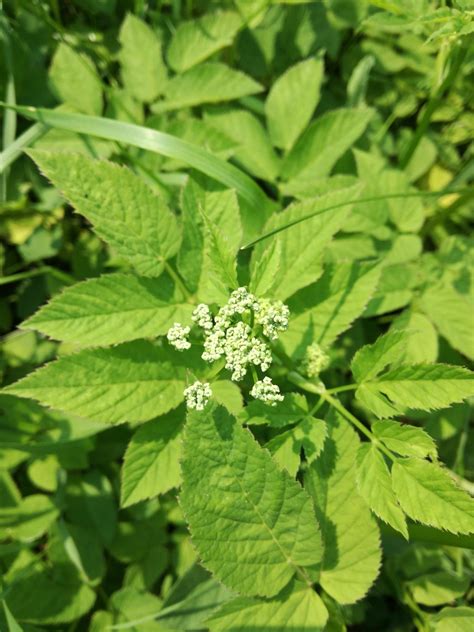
221,257
292,409
151,462
428,494
196,40
308,435
264,269
135,381
375,487
370,360
125,212
297,608
422,387
303,244
210,82
327,308
422,343
352,552
394,290
68,71
141,64
455,619
252,525
111,309
323,143
292,100
404,439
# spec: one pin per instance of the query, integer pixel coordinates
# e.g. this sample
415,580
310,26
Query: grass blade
15,149
152,140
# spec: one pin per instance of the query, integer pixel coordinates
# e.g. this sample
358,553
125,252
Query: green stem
342,389
179,282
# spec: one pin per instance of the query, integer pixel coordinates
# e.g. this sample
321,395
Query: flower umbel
197,395
316,360
273,316
267,391
177,336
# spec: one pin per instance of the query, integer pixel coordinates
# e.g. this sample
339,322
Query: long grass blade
15,149
152,140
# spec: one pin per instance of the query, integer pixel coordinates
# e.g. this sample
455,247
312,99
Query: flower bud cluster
197,395
316,360
232,334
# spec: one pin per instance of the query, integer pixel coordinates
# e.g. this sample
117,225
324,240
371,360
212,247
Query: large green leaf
123,209
142,69
350,535
375,487
297,608
75,80
196,40
111,309
429,495
292,100
370,360
151,462
210,82
135,381
324,142
252,525
327,308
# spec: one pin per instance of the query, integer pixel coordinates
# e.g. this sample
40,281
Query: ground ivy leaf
296,608
111,309
151,462
375,487
125,212
253,526
135,381
405,439
352,552
422,387
428,494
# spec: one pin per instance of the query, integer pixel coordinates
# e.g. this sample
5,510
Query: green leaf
292,100
254,150
394,290
75,80
438,588
352,553
375,487
370,360
211,82
111,309
141,64
252,525
221,258
30,519
303,244
422,387
324,142
297,608
458,619
308,435
151,140
264,269
428,494
451,313
404,439
123,209
292,409
196,40
135,381
11,621
151,462
327,308
421,345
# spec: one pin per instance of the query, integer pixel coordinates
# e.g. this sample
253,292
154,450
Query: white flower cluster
197,395
316,360
178,337
229,335
266,391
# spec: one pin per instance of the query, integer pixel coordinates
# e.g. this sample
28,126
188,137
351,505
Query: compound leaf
253,526
404,439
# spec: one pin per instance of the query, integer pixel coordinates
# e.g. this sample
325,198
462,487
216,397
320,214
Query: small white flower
237,348
260,354
197,395
266,391
177,336
240,301
316,360
214,345
202,316
273,316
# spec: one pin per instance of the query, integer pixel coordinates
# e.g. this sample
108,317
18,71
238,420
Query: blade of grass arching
9,120
16,148
152,140
377,198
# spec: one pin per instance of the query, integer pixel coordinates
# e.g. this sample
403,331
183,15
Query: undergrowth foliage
283,367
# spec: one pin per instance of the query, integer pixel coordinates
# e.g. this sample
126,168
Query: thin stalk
342,389
29,274
179,282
